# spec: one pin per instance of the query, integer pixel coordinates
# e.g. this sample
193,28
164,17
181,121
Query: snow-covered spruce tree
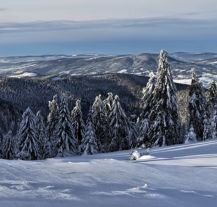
8,146
1,140
161,108
120,129
78,122
148,90
43,135
53,115
52,121
197,106
206,129
89,144
143,127
108,103
214,123
64,140
28,145
101,124
134,130
191,136
212,96
143,124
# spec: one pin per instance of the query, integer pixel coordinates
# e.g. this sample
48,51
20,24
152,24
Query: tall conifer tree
77,122
8,146
101,124
42,135
161,108
89,144
120,128
197,106
65,141
29,147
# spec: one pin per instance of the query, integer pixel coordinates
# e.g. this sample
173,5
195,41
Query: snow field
181,175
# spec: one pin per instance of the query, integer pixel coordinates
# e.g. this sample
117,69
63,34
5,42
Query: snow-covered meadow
181,175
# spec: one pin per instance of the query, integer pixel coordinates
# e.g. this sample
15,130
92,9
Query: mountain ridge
138,64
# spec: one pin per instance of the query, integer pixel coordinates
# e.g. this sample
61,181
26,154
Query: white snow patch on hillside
23,75
181,175
183,81
213,63
65,72
206,79
122,71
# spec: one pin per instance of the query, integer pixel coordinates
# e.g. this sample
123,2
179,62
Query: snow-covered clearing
182,175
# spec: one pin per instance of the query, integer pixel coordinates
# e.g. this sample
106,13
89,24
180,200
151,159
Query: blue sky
29,27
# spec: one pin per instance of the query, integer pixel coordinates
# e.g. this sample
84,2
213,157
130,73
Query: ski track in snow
181,175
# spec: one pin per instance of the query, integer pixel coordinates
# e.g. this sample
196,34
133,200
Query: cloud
2,9
49,10
59,31
109,36
103,24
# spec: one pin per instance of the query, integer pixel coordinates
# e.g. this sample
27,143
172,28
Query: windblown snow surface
177,176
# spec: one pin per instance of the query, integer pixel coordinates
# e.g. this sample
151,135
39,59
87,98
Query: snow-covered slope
182,175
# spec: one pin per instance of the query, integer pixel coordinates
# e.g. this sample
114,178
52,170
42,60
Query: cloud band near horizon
108,36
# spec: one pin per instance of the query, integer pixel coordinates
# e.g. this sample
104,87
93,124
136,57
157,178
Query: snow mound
135,155
146,157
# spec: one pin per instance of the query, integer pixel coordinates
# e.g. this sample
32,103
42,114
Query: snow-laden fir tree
53,115
206,128
29,146
214,123
143,123
43,135
197,106
65,141
89,144
212,96
120,129
8,146
1,140
52,121
148,90
78,122
108,103
161,108
191,136
143,131
101,125
134,130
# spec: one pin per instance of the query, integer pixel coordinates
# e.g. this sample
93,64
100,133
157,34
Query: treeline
108,128
202,111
